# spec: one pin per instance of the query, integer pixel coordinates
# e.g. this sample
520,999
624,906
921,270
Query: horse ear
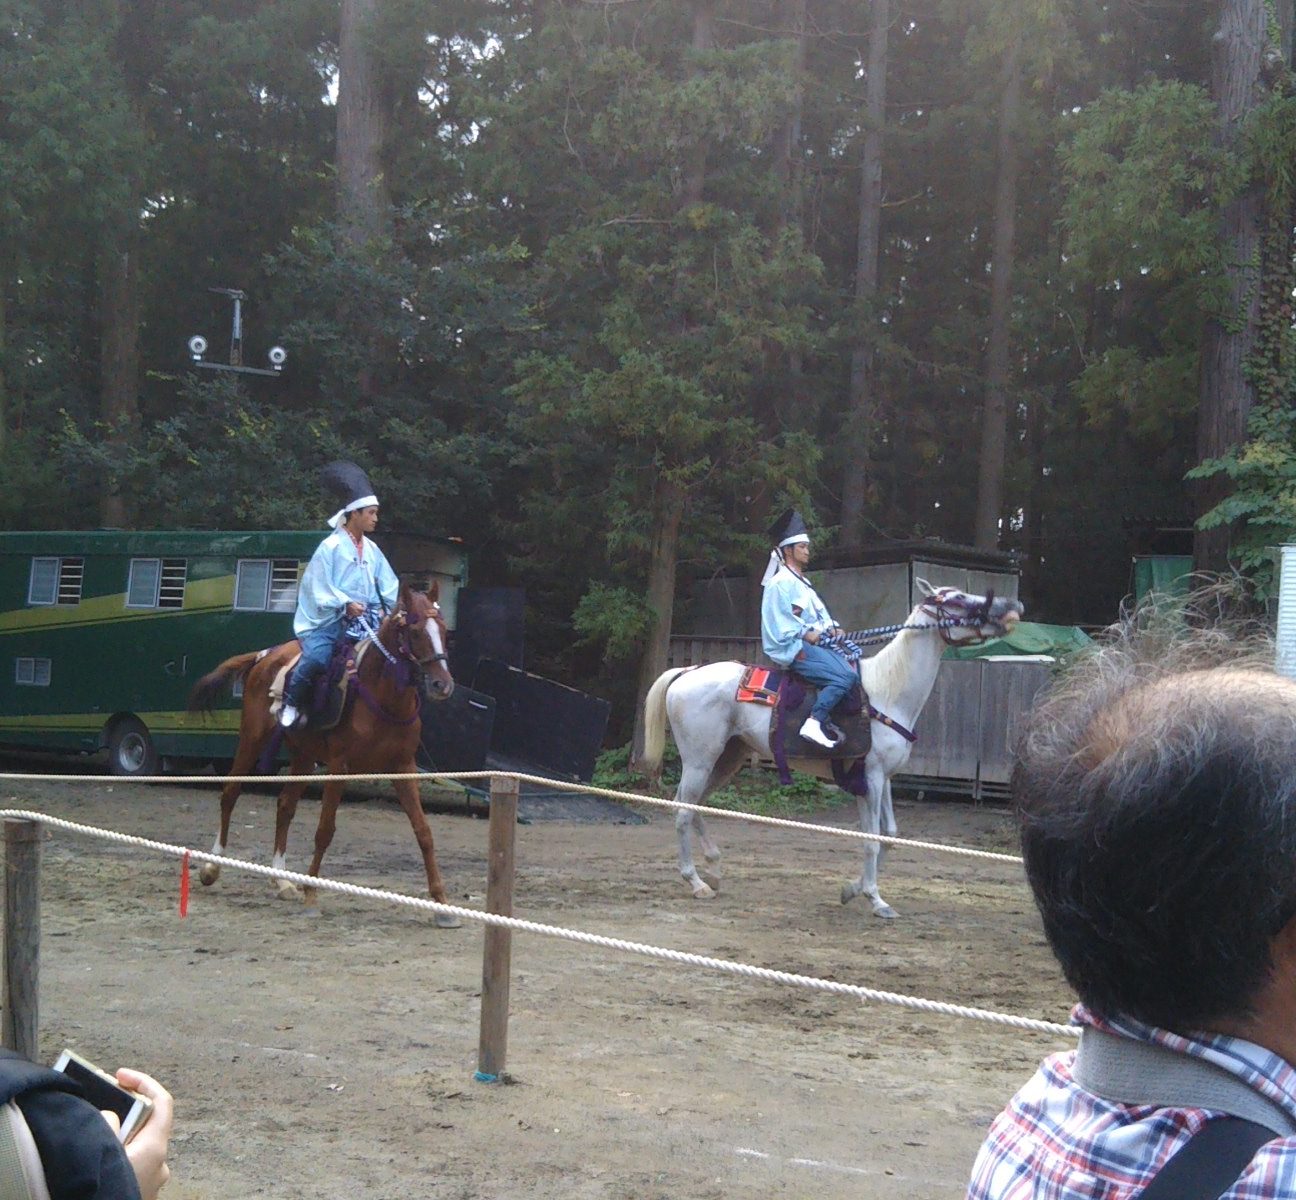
405,593
925,587
434,592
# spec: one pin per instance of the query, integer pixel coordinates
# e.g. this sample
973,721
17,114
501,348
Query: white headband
776,558
338,517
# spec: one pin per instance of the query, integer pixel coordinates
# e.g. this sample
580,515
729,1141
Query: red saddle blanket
759,685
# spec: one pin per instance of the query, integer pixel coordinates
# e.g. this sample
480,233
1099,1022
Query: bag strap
21,1175
1127,1071
1210,1162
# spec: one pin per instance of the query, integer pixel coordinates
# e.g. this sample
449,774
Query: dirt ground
331,1057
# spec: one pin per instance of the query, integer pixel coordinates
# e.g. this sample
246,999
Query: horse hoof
702,892
447,921
312,911
885,911
286,890
710,879
208,875
713,856
848,893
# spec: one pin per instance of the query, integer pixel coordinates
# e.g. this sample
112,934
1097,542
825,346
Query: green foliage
616,618
619,270
754,791
1151,395
1146,181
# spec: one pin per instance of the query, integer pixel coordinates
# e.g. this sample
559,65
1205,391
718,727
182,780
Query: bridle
953,609
948,610
405,622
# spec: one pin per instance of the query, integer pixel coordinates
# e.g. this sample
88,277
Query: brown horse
379,730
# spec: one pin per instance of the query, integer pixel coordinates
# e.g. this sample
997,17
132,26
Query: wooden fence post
21,1015
498,942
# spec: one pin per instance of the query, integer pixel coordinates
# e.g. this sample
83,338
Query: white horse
716,733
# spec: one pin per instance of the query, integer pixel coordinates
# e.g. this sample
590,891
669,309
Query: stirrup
288,715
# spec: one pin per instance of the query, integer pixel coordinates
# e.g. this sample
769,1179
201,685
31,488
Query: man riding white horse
346,577
797,630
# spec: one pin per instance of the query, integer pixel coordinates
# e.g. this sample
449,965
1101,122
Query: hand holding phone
104,1092
148,1151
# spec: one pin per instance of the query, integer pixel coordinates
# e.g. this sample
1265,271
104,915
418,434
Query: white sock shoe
812,731
288,715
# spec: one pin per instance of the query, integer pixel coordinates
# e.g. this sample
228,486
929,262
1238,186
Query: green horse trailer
103,634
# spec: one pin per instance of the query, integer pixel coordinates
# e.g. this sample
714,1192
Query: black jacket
82,1157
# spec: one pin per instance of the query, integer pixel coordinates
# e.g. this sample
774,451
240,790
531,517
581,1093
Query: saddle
851,716
792,699
327,701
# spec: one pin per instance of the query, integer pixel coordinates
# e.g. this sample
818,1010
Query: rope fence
565,785
508,922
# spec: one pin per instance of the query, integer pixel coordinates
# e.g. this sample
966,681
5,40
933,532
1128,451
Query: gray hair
1156,792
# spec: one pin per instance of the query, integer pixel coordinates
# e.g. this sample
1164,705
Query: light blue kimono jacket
789,608
338,573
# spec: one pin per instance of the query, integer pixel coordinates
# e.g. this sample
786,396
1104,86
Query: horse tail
211,685
655,721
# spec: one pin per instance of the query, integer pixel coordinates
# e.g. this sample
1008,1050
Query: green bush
755,791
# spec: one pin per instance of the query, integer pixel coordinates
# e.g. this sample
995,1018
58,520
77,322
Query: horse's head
978,617
416,632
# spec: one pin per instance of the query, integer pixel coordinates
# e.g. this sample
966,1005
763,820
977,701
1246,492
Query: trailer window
32,672
171,589
55,581
266,585
156,583
142,583
283,585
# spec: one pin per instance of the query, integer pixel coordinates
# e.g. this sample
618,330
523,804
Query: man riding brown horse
346,577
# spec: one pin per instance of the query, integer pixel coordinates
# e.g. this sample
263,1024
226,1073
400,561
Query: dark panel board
457,732
557,729
491,625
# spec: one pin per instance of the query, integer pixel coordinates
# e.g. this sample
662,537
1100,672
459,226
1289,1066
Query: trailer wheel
130,749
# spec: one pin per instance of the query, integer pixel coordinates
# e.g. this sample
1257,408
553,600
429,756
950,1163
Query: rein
979,616
884,633
411,668
371,635
377,707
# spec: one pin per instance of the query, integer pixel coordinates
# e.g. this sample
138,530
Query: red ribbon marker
184,885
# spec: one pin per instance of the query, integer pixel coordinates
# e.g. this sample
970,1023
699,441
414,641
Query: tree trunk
787,138
695,164
787,171
1225,393
861,409
668,512
1033,517
362,119
4,387
994,414
118,369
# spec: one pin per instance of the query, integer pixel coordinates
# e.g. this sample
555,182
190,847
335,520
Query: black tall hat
350,486
786,531
789,528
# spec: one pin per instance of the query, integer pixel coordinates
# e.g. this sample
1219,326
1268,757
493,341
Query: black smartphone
104,1092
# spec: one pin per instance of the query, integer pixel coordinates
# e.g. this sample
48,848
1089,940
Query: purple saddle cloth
851,716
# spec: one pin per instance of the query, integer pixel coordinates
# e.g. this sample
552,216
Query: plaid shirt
1057,1141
